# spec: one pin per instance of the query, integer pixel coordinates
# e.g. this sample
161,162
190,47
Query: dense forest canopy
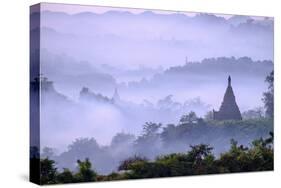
196,161
157,139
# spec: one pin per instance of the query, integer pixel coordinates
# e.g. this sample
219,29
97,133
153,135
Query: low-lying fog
115,71
106,106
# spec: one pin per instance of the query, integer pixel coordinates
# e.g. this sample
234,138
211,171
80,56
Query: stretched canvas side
34,164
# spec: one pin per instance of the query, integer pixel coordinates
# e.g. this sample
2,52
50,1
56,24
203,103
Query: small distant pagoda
229,110
116,98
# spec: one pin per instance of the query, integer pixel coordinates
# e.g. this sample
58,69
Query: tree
122,139
199,152
125,164
65,177
80,149
198,160
190,118
48,171
268,97
169,134
149,143
150,128
83,145
144,169
242,159
85,174
256,113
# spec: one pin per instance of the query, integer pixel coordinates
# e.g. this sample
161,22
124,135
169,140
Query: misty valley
110,129
130,94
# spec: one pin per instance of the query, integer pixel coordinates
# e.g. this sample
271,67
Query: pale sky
74,9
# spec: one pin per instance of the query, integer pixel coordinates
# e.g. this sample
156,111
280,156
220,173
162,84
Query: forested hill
215,69
242,65
210,74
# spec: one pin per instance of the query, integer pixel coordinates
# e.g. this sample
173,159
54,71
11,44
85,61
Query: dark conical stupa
229,110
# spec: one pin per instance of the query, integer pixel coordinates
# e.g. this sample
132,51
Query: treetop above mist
239,65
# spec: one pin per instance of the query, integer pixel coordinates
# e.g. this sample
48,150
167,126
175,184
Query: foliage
157,139
86,148
189,118
150,129
48,171
88,144
122,139
65,176
50,175
176,137
241,159
85,174
150,137
198,160
124,165
268,96
253,113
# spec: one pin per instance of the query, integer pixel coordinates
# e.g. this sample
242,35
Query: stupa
229,109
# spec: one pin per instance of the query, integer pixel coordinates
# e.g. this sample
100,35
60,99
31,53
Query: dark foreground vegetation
198,160
157,140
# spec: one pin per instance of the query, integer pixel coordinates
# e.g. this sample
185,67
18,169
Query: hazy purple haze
163,64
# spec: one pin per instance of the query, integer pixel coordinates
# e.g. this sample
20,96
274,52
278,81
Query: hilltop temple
229,110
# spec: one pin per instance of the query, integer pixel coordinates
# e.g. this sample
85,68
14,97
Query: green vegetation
268,96
214,133
50,175
198,160
157,140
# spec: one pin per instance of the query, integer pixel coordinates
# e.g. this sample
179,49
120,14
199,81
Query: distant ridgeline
46,88
229,110
243,66
208,70
87,94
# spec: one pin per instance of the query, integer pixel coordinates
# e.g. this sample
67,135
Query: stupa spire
229,110
116,97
